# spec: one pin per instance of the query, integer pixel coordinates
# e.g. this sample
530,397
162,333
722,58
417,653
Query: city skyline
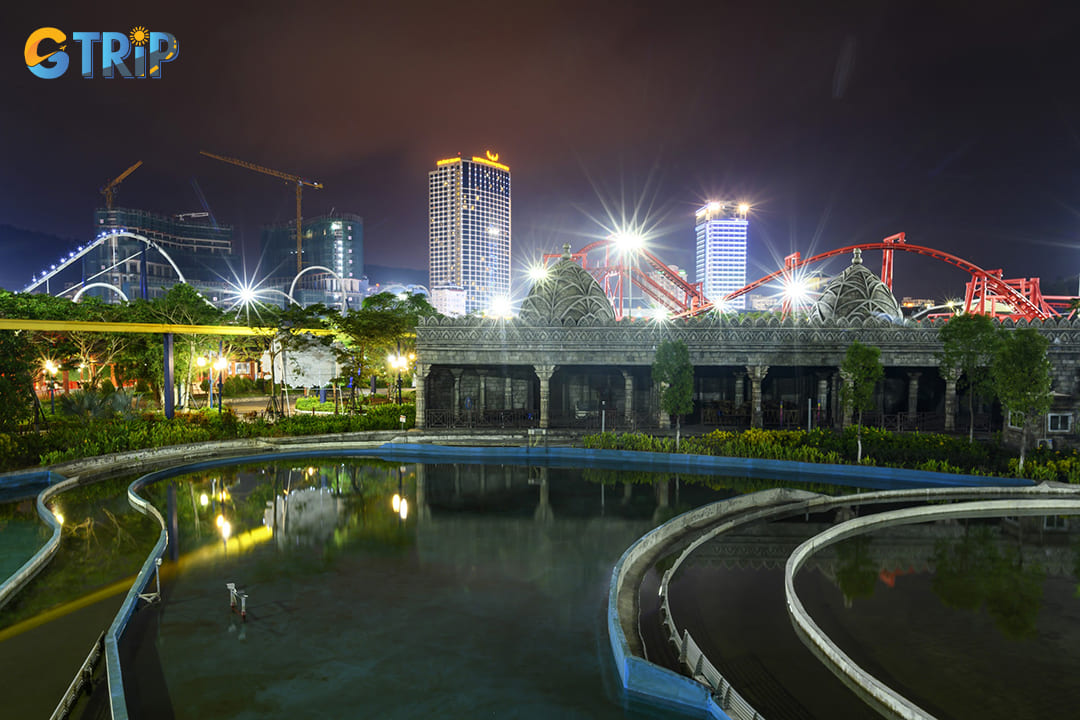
954,125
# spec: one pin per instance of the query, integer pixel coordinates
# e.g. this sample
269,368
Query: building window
1059,422
1016,420
1055,522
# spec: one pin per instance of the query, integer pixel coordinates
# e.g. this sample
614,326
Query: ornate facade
565,362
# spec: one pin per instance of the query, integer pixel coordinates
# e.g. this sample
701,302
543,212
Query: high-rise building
469,233
720,229
200,249
334,241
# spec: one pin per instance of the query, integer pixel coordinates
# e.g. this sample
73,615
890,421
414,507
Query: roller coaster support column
144,290
791,262
169,367
887,258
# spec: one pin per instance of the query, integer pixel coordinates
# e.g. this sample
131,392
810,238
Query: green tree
968,344
23,353
861,371
384,322
290,339
1022,377
672,371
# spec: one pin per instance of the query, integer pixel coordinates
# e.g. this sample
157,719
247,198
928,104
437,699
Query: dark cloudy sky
957,123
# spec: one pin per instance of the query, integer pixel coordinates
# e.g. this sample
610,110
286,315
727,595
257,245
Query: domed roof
856,294
567,294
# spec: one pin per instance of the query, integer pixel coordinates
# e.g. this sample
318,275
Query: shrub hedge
71,440
915,451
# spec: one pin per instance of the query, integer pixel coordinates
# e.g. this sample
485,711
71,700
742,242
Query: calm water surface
487,600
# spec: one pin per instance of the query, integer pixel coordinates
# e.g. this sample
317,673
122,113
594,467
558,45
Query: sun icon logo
139,35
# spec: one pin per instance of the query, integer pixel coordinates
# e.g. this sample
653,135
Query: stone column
628,389
662,417
420,373
544,372
823,391
456,399
508,393
757,374
837,418
846,411
913,396
482,405
951,375
740,389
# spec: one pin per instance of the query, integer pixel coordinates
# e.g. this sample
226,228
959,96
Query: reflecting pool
479,591
967,618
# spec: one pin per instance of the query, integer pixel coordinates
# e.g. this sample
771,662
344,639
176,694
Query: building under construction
201,249
334,242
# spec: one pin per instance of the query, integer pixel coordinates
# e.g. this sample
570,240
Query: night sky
839,123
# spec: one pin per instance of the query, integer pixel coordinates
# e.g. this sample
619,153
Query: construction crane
296,179
109,191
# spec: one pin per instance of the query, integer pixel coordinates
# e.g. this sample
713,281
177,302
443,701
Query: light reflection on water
487,598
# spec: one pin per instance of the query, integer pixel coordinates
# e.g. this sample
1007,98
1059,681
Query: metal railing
114,672
82,678
613,420
514,418
700,668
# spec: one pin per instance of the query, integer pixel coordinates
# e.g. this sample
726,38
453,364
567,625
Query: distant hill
28,252
385,275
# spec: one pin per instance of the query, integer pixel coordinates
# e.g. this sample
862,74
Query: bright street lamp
52,369
629,243
400,363
220,364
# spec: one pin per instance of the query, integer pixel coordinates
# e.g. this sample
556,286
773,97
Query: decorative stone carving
568,295
856,294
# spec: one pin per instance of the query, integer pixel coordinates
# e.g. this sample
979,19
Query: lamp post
203,362
220,366
51,368
399,363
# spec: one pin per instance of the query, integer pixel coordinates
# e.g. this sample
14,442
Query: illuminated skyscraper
469,233
721,251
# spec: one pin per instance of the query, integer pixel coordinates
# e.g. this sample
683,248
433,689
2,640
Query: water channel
482,592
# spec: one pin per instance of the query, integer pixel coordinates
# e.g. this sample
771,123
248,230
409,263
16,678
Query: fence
612,420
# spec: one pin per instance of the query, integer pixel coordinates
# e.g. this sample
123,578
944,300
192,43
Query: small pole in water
243,606
231,587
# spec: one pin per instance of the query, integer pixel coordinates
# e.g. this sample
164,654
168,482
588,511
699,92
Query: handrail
117,701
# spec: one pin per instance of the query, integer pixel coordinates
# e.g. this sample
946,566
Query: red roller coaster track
986,292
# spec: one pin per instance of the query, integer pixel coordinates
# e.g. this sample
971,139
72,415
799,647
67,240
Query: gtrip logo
47,56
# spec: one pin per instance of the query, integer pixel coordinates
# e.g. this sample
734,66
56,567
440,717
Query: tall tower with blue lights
469,234
721,229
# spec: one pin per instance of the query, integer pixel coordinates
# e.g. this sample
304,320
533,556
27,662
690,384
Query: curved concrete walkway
644,625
